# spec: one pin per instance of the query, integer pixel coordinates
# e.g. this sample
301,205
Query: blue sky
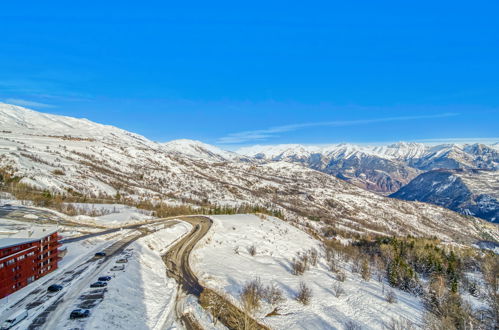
234,74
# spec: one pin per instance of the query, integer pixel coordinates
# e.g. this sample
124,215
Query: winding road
177,258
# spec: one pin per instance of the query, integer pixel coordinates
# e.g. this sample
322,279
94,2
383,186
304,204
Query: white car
14,319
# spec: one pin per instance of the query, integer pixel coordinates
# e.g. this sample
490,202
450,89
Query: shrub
391,297
351,325
400,324
332,265
58,172
273,295
251,294
365,270
299,264
304,294
252,250
338,289
341,276
313,256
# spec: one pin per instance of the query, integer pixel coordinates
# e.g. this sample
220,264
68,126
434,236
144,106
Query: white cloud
27,103
264,134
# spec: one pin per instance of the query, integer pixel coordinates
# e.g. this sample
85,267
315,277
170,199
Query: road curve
177,258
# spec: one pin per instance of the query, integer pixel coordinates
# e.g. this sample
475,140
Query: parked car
99,284
121,261
79,313
105,278
54,288
116,268
100,254
14,320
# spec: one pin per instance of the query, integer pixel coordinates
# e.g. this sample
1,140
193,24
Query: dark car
79,313
98,284
100,254
105,278
54,288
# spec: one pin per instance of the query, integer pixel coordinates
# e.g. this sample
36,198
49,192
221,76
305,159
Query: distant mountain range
383,169
68,155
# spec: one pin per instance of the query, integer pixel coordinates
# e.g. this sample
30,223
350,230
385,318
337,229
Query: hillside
76,156
472,192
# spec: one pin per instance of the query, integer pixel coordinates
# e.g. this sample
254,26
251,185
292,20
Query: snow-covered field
113,215
141,296
223,263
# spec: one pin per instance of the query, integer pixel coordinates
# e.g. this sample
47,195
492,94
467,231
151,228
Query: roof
31,234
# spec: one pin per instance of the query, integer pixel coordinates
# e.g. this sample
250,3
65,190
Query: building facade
26,259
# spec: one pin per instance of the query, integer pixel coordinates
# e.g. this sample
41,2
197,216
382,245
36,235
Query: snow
141,296
198,149
101,161
220,267
114,215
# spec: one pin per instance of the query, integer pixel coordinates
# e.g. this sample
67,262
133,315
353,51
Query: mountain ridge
118,163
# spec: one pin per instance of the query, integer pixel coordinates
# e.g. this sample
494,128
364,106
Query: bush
341,276
299,264
251,294
273,295
313,256
391,297
365,270
338,289
304,294
351,325
252,250
400,324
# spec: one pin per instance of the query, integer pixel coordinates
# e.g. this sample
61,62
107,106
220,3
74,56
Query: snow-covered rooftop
11,237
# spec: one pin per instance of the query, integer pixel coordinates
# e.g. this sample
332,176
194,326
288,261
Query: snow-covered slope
200,150
472,192
223,263
114,162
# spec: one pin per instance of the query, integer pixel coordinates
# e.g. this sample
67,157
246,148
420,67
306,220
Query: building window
10,262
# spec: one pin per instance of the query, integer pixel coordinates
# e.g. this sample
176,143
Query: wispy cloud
27,103
264,134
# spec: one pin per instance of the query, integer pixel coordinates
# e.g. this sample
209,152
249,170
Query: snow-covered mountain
382,169
472,192
76,156
200,150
